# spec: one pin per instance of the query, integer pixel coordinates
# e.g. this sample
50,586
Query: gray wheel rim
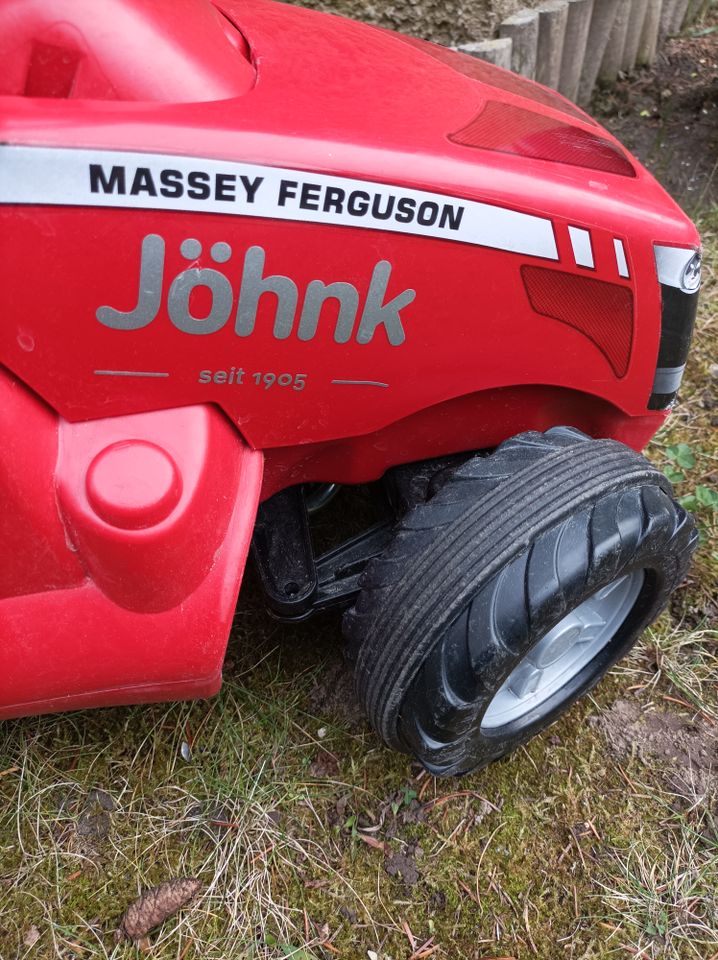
565,650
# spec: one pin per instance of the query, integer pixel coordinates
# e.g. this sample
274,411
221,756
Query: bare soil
668,117
685,748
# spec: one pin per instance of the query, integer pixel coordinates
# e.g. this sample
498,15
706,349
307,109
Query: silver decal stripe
582,249
668,379
621,261
678,267
129,373
62,176
360,383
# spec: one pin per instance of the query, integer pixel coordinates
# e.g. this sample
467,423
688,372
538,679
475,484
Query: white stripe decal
61,176
621,261
581,243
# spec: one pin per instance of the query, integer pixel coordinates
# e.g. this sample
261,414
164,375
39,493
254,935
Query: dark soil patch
333,695
668,118
403,865
95,821
686,749
324,766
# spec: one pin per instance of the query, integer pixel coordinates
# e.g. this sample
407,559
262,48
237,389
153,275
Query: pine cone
154,906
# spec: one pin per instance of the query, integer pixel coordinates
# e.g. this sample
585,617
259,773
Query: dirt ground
668,117
686,748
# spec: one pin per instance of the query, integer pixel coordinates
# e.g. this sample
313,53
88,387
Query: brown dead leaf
372,842
155,906
32,935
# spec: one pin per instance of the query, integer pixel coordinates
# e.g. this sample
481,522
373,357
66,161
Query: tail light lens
510,129
601,311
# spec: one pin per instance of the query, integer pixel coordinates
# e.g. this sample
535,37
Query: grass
312,841
663,890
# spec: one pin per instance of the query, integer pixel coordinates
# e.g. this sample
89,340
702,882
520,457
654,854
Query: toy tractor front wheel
510,592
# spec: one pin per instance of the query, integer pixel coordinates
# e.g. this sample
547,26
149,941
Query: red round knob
133,484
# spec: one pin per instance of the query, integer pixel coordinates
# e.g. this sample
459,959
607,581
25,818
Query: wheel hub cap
564,651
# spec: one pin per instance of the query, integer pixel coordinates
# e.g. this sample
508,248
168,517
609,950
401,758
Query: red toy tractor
250,251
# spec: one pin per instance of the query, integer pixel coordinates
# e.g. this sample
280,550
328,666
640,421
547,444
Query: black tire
478,574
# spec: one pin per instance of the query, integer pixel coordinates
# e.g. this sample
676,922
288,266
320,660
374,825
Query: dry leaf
372,842
32,935
154,906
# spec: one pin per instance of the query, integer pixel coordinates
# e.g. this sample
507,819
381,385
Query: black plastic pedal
283,554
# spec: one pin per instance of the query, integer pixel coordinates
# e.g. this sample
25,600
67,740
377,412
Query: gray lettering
377,313
220,252
254,284
191,249
152,265
178,301
317,294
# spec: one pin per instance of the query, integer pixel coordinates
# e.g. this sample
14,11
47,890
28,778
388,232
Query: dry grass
662,897
660,883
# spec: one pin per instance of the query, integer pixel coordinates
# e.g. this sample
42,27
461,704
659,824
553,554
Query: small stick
409,935
469,893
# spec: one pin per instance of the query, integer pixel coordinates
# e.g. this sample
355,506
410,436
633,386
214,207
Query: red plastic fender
143,524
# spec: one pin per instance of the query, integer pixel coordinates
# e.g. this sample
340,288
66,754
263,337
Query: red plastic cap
133,484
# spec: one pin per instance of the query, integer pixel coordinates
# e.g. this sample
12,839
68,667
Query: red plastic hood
414,181
81,49
352,98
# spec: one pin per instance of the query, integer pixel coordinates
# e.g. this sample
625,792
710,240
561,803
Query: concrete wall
566,44
444,21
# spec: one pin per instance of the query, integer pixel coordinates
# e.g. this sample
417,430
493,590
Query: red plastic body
132,457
